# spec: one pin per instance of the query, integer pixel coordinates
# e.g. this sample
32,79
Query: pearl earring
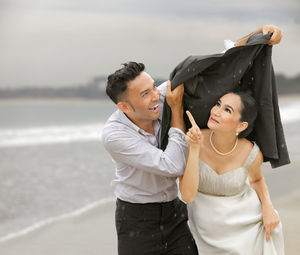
236,133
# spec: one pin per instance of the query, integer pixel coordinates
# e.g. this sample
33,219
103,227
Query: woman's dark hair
117,82
248,111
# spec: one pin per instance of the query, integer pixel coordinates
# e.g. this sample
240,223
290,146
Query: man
150,219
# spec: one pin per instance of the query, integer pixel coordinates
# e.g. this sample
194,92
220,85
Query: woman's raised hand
194,136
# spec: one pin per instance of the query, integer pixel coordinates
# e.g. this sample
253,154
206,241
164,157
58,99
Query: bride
230,211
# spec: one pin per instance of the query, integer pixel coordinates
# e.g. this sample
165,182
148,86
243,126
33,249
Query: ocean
53,164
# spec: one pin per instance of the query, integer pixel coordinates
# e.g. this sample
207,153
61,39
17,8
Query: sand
93,232
289,211
90,233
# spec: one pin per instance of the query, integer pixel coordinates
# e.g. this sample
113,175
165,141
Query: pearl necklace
218,152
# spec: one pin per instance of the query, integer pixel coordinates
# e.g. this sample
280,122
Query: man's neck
146,125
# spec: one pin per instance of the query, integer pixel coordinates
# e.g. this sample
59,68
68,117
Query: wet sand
93,232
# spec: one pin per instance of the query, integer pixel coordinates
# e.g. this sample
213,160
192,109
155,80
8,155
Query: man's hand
277,35
174,98
275,39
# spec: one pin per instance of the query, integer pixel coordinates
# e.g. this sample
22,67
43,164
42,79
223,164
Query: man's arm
266,29
132,149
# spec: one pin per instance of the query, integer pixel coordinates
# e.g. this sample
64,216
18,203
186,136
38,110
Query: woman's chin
211,125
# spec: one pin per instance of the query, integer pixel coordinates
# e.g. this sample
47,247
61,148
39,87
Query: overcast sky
68,42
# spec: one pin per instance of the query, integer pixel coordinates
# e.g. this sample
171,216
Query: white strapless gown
226,216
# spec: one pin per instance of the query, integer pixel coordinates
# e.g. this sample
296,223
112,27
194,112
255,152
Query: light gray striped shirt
144,173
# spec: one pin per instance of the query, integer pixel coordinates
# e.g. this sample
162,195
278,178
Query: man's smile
154,109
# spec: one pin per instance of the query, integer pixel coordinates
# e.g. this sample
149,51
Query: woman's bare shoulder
248,146
246,143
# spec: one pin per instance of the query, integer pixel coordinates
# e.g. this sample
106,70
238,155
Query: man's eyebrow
144,91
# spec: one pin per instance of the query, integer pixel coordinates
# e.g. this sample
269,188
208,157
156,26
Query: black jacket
248,67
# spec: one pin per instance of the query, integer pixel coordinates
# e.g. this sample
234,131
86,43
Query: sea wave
92,132
290,112
50,135
46,222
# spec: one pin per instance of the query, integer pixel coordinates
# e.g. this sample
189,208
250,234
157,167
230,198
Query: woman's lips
214,120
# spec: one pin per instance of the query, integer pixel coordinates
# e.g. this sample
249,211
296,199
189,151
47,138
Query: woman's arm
257,181
189,181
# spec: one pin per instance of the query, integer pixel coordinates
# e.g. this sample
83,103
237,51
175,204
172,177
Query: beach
57,180
90,233
93,232
55,193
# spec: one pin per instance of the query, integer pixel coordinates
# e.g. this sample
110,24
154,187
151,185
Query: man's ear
124,107
242,126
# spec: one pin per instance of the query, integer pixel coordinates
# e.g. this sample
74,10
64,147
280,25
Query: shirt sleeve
163,88
228,44
134,150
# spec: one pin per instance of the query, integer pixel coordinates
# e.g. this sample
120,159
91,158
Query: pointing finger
191,118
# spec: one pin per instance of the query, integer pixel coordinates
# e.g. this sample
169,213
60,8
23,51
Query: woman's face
225,115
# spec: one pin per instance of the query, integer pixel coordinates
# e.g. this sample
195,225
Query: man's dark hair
117,82
248,111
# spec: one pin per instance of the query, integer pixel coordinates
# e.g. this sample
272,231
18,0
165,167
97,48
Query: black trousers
153,229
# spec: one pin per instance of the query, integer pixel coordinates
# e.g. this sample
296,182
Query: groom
150,219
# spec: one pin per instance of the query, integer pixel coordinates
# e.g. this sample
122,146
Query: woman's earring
236,133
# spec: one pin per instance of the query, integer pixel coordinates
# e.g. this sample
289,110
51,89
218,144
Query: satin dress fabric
226,216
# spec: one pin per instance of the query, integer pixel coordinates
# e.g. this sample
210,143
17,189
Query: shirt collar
125,120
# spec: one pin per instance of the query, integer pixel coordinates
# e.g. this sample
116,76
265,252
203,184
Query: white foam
92,132
49,221
50,135
290,112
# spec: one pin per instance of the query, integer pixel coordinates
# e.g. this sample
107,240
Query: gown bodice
230,183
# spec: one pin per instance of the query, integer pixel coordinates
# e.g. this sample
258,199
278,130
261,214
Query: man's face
143,98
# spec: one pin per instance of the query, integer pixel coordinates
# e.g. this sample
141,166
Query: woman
230,210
